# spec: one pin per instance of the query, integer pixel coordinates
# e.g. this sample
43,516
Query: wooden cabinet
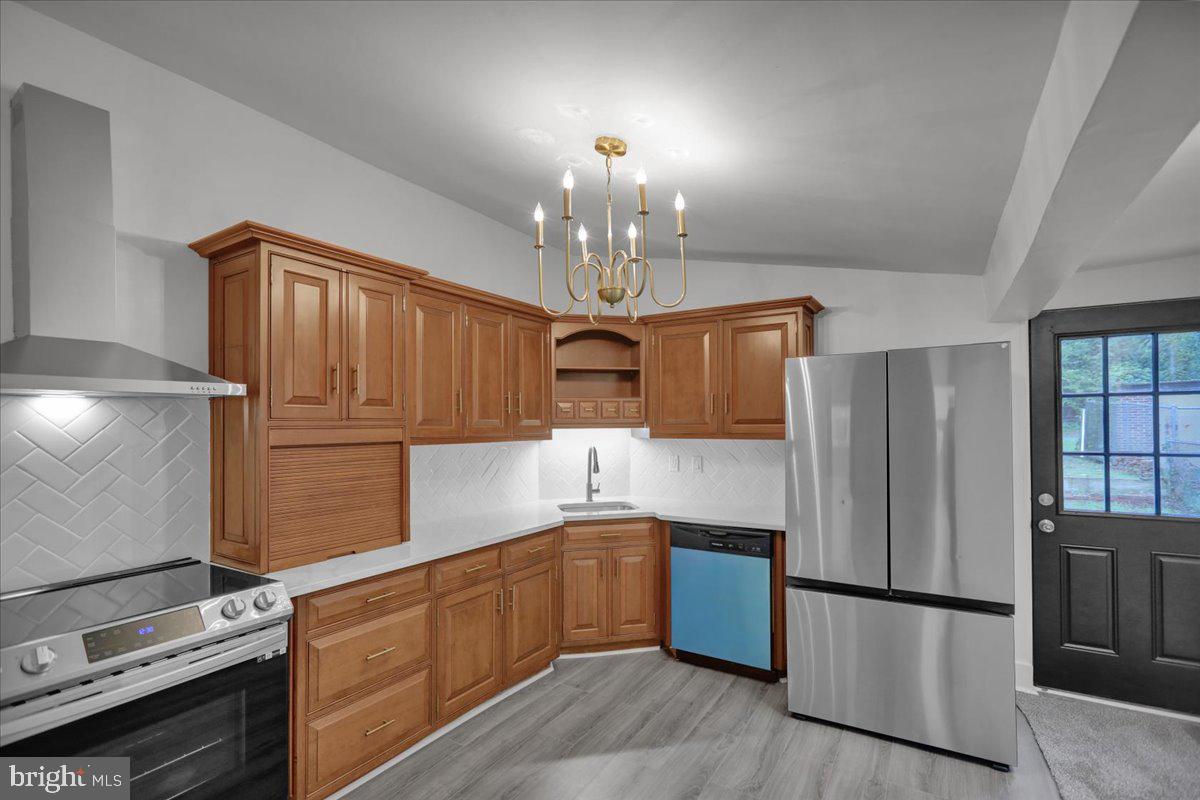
306,339
435,371
598,381
375,334
584,595
531,378
720,372
486,373
685,375
531,621
610,583
470,646
313,461
478,372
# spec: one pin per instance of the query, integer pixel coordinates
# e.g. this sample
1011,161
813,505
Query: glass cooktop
106,599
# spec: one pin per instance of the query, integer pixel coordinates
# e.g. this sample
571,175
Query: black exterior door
1115,419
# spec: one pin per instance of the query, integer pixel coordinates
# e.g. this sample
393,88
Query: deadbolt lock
1046,499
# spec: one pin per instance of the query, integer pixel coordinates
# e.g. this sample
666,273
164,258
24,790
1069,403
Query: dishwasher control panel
735,541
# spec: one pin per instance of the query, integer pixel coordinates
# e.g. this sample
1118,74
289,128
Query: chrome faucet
593,466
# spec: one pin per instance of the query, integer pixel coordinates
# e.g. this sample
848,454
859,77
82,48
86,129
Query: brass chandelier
616,279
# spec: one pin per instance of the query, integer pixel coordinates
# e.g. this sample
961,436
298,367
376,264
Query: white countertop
436,539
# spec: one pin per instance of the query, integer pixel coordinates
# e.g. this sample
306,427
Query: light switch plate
673,463
697,463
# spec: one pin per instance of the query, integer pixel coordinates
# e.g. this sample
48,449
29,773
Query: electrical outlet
697,463
673,463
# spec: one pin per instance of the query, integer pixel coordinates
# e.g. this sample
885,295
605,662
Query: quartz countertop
434,539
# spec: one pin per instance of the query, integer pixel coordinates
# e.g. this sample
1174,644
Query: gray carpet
1099,752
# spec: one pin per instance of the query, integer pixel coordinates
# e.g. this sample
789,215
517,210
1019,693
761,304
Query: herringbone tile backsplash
93,485
741,471
451,479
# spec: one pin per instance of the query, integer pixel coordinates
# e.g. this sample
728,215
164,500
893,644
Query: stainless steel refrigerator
900,545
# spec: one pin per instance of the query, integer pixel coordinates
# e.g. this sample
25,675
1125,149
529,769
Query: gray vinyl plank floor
643,726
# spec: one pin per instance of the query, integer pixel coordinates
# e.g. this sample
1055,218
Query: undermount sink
596,508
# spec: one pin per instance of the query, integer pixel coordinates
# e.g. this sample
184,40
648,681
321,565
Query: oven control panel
117,640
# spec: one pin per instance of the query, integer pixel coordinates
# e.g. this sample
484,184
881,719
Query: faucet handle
596,489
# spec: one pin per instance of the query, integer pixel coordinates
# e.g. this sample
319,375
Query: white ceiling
1164,221
880,135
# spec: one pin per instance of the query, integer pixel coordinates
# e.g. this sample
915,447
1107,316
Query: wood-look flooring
643,726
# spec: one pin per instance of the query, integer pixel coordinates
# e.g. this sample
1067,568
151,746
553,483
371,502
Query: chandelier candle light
617,279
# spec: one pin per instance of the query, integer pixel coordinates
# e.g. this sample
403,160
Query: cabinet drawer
343,662
564,409
467,567
589,409
610,409
632,409
527,551
616,532
342,740
351,601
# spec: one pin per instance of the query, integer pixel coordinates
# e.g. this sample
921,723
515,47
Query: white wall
187,162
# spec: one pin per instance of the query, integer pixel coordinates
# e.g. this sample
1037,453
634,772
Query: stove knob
265,599
38,660
234,607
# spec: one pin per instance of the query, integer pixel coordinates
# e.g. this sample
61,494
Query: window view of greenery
1130,413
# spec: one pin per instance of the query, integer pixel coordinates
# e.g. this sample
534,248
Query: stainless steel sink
596,508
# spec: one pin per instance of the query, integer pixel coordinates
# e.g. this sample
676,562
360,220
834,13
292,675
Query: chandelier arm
570,273
644,258
683,271
542,296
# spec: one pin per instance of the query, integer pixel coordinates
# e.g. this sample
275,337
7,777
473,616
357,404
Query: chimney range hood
64,264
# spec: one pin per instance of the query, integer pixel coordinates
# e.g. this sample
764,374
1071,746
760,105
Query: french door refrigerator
899,545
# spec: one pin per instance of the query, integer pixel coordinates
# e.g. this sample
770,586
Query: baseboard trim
1025,677
627,650
1104,701
442,731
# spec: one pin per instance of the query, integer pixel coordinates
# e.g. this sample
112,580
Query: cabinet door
486,379
530,378
634,592
435,367
530,626
584,595
375,347
470,646
306,336
753,353
684,379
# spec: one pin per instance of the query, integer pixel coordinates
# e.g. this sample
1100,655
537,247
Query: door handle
458,399
333,378
500,601
512,598
354,387
518,404
1046,526
727,402
507,402
712,404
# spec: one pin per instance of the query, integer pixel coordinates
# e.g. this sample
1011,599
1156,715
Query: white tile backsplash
562,463
450,479
743,471
92,485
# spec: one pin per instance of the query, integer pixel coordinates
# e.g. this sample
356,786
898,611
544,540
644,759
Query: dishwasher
721,597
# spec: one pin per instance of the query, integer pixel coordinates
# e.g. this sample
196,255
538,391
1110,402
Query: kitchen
336,413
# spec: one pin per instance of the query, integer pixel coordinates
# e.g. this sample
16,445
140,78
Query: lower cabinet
470,646
610,577
380,663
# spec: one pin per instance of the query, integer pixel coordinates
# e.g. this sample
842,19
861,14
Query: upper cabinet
598,380
719,373
478,371
306,339
375,336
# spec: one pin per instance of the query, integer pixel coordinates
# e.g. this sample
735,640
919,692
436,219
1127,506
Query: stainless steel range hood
64,264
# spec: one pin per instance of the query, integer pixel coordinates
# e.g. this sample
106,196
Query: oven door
218,730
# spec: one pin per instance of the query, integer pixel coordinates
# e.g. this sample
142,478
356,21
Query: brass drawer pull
378,728
379,597
538,549
382,652
475,568
607,535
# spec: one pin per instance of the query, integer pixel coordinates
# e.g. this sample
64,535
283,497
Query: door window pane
1129,406
1083,424
1180,486
1131,484
1179,361
1130,363
1131,424
1083,483
1082,365
1178,423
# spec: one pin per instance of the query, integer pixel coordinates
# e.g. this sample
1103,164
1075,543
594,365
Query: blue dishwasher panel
721,606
